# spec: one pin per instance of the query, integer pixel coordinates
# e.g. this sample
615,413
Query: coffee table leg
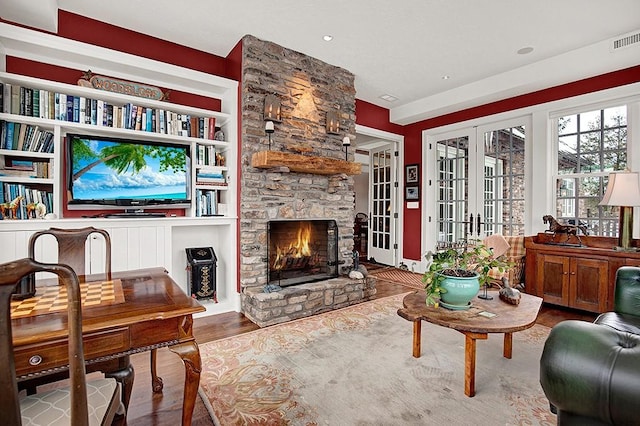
417,331
470,361
507,349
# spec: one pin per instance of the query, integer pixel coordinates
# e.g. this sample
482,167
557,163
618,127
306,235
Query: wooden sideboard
580,277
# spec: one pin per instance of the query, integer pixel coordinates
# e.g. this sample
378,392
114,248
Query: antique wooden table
135,311
473,324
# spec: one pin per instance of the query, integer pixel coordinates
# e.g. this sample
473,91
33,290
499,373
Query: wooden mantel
304,163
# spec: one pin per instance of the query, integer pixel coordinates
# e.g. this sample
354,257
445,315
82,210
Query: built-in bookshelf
33,126
26,170
136,242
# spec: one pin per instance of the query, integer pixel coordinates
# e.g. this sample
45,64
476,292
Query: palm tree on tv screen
123,157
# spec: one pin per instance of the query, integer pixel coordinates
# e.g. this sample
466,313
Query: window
590,146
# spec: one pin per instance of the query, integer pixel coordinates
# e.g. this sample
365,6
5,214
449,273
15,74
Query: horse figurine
556,227
9,210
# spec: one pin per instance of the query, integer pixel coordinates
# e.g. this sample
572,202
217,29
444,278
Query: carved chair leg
156,382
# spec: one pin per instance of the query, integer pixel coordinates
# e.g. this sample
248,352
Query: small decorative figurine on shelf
36,210
219,159
219,134
9,210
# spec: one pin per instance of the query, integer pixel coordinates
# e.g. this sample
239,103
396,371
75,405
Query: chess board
53,298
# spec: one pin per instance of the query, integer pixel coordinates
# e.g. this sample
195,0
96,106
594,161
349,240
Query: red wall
98,33
376,117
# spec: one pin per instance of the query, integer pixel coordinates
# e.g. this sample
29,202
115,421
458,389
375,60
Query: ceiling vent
625,41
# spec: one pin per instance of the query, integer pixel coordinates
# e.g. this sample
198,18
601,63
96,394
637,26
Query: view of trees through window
590,146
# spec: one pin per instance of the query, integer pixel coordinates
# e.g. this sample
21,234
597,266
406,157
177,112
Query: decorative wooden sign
109,84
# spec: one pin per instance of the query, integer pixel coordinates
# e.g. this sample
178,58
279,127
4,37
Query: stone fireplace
281,194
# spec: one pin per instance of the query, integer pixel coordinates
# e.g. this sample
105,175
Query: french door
383,216
475,184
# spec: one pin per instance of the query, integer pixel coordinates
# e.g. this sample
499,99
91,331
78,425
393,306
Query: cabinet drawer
34,358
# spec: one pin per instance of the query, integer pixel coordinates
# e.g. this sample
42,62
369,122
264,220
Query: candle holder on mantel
269,129
345,143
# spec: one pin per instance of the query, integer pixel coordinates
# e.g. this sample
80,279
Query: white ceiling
402,48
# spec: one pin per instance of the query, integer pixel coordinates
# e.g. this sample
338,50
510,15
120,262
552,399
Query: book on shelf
6,98
26,99
15,99
138,125
52,106
35,103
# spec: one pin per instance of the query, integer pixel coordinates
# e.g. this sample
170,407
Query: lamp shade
623,190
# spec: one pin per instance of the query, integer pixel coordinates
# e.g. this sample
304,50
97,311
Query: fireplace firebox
302,251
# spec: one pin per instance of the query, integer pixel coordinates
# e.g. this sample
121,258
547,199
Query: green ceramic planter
459,292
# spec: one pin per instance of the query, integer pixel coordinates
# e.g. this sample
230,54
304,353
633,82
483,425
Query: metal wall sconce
345,143
269,129
272,109
333,122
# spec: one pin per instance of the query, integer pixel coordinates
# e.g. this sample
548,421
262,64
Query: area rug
354,367
409,279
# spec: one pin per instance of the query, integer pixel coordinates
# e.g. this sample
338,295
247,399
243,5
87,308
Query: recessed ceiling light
327,37
446,77
389,98
525,50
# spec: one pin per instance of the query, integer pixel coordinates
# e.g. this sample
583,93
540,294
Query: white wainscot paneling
223,241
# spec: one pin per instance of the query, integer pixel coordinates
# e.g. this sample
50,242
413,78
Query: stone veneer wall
307,88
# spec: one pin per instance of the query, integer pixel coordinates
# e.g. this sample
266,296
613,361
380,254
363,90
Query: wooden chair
72,247
82,403
71,251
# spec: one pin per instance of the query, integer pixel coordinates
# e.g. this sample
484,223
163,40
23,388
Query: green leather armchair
590,372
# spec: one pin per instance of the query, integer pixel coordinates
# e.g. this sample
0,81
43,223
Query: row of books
23,208
21,167
79,109
207,202
207,155
25,137
210,176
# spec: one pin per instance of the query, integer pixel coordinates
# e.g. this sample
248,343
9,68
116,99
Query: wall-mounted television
126,174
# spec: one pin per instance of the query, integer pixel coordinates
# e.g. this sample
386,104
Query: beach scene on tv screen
115,170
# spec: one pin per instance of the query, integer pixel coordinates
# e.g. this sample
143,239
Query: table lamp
623,190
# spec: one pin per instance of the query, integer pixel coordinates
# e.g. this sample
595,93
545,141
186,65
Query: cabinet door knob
35,360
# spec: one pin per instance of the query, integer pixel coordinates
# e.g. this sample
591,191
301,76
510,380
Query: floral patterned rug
354,366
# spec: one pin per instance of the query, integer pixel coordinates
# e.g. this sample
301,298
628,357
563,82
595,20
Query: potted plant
454,275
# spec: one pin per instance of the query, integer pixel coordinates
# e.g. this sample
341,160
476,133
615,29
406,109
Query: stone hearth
305,299
307,89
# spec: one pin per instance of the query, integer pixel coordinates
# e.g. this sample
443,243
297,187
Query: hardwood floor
148,409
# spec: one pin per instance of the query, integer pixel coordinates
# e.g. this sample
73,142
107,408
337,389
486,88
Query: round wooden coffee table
484,317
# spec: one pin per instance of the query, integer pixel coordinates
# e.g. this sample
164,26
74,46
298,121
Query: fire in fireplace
302,251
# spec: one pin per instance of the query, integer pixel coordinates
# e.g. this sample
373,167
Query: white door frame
475,134
396,206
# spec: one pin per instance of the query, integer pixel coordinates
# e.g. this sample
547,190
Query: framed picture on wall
412,193
411,173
